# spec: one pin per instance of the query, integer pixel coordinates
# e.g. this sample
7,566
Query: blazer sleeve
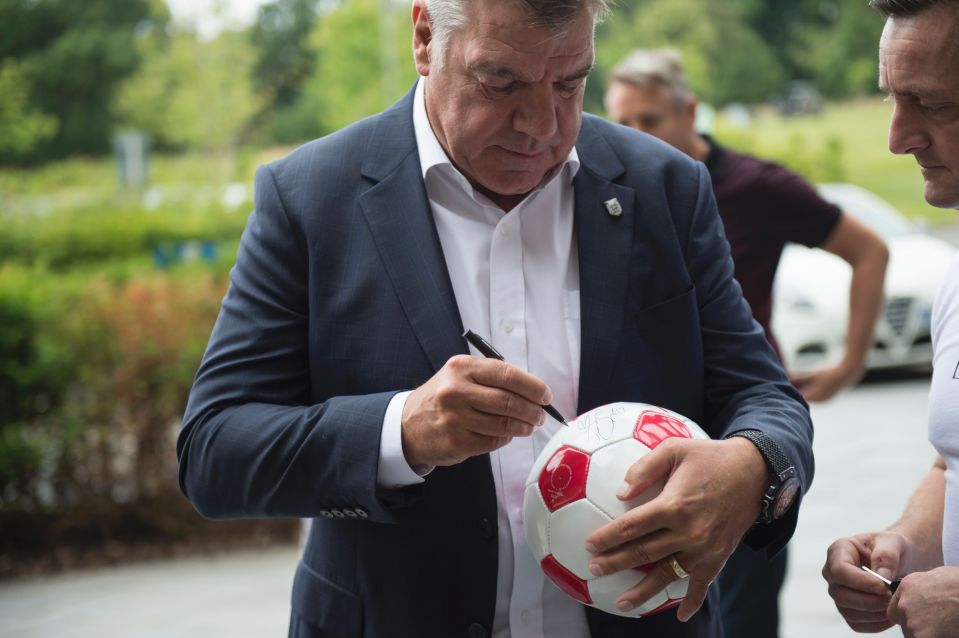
745,385
252,444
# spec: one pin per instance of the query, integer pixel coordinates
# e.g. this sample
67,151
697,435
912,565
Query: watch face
785,497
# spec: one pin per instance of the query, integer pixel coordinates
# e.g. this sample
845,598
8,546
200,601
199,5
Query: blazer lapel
398,213
605,245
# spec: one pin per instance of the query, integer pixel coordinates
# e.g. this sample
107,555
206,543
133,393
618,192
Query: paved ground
870,446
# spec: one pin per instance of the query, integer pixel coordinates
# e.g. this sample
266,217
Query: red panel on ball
652,428
573,585
563,480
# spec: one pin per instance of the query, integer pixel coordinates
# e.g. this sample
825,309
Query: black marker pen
488,351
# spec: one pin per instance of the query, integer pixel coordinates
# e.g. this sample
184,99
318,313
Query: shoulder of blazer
370,147
638,154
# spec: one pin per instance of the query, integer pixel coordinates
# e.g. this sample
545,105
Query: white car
811,292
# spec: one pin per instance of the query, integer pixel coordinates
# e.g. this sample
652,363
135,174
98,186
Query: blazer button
350,512
326,513
337,513
477,631
486,528
362,513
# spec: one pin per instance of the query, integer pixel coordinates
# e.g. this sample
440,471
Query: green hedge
94,376
75,237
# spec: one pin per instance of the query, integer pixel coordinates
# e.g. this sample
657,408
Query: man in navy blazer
338,349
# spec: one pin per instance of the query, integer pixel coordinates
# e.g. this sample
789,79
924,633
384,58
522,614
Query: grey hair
447,16
644,68
905,8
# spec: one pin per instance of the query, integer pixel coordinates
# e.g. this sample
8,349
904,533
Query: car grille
897,313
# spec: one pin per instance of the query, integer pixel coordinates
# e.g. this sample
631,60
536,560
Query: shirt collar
716,159
432,155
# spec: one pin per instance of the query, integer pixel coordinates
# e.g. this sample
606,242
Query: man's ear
422,37
691,109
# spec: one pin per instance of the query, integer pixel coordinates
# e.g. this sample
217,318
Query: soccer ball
571,491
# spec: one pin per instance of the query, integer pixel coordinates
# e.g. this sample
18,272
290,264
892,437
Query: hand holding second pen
863,599
472,406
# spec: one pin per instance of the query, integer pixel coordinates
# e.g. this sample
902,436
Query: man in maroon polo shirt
763,206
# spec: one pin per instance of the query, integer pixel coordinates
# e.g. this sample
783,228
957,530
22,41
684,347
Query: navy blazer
340,298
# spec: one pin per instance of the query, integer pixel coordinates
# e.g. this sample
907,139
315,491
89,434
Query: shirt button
526,617
504,231
507,326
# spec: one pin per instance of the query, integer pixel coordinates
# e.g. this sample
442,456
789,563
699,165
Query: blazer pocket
324,604
668,332
666,305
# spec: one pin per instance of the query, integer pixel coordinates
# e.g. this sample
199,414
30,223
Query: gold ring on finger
677,568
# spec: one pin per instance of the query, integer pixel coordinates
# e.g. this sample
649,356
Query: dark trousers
749,593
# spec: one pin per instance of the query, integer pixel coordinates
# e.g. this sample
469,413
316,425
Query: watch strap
776,461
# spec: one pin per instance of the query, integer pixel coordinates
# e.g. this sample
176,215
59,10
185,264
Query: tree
284,61
192,93
72,55
842,57
725,59
21,126
364,61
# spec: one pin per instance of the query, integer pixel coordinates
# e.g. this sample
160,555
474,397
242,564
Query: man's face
653,110
919,68
507,103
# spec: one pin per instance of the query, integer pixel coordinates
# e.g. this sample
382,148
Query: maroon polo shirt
763,206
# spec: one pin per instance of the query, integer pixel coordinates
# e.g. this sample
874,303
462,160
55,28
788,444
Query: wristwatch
784,482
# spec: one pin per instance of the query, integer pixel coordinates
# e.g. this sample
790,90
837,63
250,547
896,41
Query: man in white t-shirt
919,58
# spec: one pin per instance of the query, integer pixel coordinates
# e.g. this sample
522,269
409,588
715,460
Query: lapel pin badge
613,207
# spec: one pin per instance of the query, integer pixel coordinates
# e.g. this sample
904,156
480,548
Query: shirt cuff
394,472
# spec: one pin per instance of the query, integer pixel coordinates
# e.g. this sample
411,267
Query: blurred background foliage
109,285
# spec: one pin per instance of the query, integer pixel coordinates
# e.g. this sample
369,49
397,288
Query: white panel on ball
607,470
536,522
677,588
577,521
601,426
605,590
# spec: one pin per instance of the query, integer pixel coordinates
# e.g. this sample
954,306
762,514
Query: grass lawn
845,142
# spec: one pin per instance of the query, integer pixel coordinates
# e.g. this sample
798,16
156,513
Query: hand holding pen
471,406
893,585
487,350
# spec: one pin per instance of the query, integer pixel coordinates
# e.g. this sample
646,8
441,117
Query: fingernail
595,570
885,572
542,419
548,397
590,548
682,617
623,490
625,605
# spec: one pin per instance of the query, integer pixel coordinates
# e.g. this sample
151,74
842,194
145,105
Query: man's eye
568,89
499,89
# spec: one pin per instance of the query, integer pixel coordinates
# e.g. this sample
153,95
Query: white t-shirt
944,402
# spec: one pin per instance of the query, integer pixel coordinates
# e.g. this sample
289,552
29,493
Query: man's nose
536,115
906,132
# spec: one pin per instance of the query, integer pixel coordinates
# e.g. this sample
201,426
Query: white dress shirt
516,280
